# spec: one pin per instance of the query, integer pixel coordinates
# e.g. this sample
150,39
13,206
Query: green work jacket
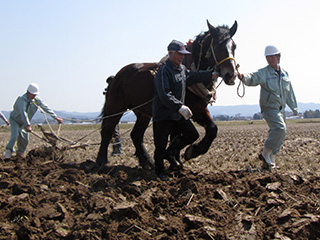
276,89
24,109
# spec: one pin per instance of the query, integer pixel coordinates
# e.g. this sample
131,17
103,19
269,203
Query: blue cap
177,47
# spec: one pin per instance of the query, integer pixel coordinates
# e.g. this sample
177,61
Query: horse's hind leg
137,134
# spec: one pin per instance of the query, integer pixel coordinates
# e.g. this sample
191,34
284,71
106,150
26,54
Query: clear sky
69,47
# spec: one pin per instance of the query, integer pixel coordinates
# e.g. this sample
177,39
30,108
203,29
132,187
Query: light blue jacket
276,91
24,109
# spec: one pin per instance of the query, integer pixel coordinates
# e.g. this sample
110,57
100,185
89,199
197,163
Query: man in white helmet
23,110
276,92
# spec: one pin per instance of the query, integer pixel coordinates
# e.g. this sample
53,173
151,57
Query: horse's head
221,51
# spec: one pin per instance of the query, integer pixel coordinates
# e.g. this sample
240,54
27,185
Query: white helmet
271,50
33,88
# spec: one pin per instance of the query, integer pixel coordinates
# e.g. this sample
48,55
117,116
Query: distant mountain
69,117
308,106
242,110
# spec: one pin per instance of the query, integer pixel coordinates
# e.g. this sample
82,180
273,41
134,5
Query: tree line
258,116
311,114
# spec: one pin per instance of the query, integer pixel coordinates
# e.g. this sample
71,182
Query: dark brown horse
132,88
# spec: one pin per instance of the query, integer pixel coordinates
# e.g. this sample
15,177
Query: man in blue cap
168,110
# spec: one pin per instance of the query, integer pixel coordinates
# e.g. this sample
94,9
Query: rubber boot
116,149
172,151
273,161
160,169
7,154
173,160
265,157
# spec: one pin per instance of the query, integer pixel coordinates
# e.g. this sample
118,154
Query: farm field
223,194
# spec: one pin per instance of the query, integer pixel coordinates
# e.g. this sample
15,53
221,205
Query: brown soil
221,195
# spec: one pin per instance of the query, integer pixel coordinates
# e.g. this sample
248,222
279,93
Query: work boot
7,154
172,153
116,150
21,154
171,157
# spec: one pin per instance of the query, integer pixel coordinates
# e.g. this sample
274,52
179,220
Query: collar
27,98
173,66
272,70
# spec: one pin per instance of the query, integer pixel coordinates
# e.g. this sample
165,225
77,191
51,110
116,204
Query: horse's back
132,86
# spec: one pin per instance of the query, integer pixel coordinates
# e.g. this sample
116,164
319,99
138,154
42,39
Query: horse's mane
223,29
201,41
197,42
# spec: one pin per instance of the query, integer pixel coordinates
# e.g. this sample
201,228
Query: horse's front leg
205,120
107,129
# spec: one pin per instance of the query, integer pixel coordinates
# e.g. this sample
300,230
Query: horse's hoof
100,162
147,165
88,166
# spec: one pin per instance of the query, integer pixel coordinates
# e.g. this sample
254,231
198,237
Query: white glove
185,112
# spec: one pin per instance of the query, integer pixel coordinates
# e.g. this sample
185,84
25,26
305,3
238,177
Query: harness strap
200,54
200,90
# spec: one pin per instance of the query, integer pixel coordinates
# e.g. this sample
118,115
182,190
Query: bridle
222,61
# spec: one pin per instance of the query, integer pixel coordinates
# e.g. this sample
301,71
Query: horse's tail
105,93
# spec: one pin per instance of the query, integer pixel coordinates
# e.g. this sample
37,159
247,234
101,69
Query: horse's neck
188,60
199,51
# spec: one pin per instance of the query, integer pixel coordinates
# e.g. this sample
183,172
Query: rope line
80,139
134,108
95,119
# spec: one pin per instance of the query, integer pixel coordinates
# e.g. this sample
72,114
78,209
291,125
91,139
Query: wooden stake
190,199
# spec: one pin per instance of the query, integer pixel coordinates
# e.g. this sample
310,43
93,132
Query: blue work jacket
170,89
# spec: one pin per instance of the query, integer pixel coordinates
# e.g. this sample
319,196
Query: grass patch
125,126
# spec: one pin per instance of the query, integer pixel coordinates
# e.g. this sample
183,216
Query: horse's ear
233,29
209,25
212,29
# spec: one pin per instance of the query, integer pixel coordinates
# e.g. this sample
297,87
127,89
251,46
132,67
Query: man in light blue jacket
276,92
23,110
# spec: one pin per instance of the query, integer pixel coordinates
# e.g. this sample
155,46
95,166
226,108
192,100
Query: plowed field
223,194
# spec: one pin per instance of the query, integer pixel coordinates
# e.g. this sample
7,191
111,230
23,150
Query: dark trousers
184,131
